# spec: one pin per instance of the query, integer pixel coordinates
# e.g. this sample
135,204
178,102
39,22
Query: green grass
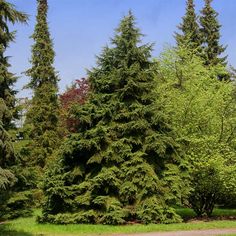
28,227
227,235
189,213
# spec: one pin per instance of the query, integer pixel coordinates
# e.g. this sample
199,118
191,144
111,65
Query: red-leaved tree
77,93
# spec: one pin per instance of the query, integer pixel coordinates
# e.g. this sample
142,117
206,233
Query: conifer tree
210,34
43,113
7,155
12,201
189,37
8,14
118,166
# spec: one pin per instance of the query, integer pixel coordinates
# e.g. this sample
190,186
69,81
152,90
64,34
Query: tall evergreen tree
189,36
43,113
119,165
8,14
210,34
10,183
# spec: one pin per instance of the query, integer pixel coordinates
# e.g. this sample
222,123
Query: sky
81,28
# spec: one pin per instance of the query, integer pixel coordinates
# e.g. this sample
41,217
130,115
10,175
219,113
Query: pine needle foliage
6,150
117,166
42,116
8,14
7,155
210,34
6,178
190,31
10,183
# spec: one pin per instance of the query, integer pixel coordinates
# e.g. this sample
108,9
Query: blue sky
80,28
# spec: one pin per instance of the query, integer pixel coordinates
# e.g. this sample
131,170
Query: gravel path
211,232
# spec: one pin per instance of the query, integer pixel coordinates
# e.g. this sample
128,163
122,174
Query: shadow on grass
6,231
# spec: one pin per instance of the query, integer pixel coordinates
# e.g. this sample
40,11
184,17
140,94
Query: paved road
212,232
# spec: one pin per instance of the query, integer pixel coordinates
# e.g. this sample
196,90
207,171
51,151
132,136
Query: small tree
76,94
210,183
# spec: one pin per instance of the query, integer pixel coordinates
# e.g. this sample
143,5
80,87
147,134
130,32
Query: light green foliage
121,163
202,109
211,181
42,116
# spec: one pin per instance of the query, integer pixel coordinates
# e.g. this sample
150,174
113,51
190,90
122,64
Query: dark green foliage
42,70
13,182
42,117
15,204
7,95
8,15
210,35
7,155
6,178
120,164
190,30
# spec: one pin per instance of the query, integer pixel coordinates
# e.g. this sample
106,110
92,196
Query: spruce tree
118,166
210,34
7,155
8,14
12,200
189,36
42,116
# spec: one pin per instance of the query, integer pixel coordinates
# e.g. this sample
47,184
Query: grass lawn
189,213
28,227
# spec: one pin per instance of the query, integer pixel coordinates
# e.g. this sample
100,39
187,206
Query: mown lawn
28,227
